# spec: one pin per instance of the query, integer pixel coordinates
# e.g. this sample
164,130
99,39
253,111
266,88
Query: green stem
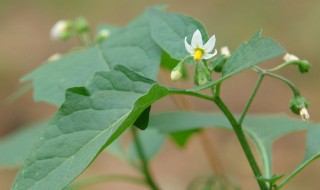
280,66
244,113
289,83
105,178
296,171
243,141
144,162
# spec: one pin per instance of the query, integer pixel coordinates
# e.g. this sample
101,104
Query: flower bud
202,75
303,65
81,25
225,51
61,30
176,73
290,57
298,105
304,114
103,35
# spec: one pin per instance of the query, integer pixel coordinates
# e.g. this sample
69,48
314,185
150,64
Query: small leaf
15,147
170,29
90,119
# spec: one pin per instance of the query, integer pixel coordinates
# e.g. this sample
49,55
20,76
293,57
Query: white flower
290,57
304,114
197,49
225,51
59,29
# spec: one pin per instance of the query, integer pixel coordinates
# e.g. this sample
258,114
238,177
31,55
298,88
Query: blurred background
25,44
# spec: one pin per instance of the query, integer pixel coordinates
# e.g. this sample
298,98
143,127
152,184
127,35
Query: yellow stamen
197,55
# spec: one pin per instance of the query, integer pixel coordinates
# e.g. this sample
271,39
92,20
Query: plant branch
256,88
144,162
243,141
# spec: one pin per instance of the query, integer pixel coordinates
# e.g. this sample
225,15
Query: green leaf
134,47
247,55
51,80
131,46
89,120
170,29
262,130
15,147
178,121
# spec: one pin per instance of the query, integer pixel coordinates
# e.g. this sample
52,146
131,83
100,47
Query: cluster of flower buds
65,29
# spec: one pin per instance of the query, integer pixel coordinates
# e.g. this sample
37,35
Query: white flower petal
209,55
196,41
188,46
208,47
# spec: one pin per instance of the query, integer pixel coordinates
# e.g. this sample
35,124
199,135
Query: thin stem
280,66
295,172
243,141
105,178
144,162
244,113
289,83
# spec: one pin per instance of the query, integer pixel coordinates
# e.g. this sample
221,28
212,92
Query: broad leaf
247,55
89,120
262,130
131,46
15,147
170,29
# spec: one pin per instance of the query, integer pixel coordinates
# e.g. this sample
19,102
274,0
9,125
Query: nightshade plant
108,86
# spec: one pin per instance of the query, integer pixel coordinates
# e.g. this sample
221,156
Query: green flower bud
304,66
102,35
297,104
176,73
202,75
62,30
81,25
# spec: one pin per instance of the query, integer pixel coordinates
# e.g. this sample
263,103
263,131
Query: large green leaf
131,46
170,29
15,147
247,55
89,120
262,130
